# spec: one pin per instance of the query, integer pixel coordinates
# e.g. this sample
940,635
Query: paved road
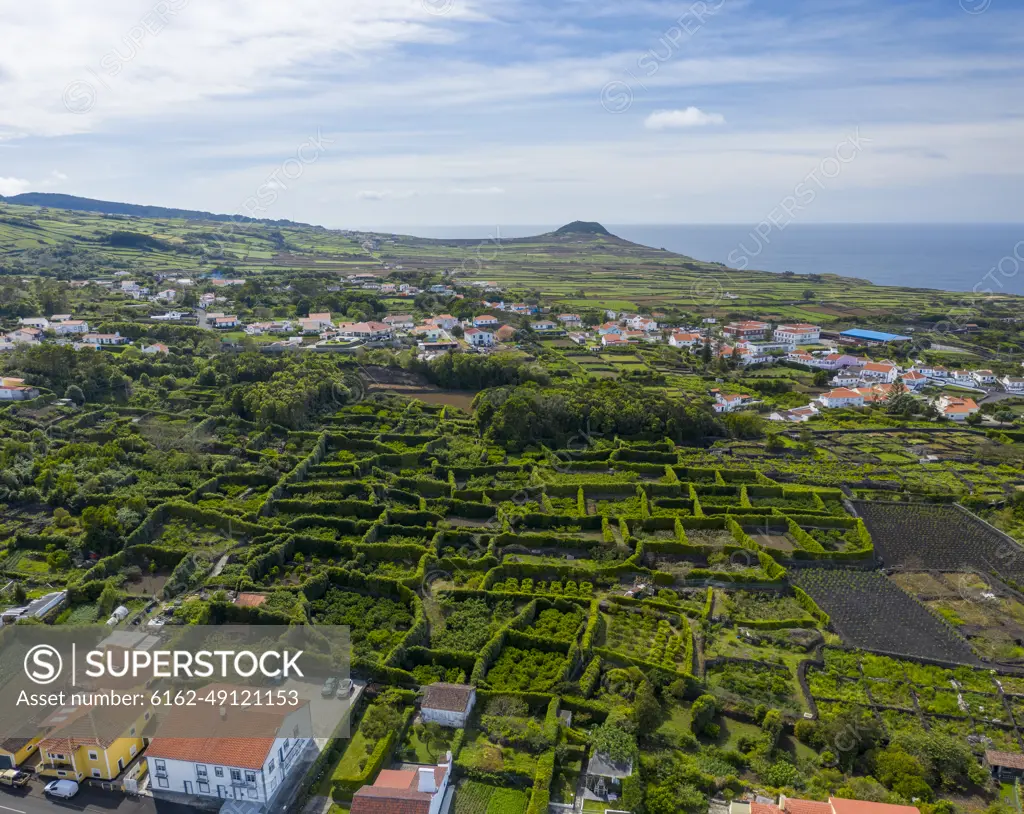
95,801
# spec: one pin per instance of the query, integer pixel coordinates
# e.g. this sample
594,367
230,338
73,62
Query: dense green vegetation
566,541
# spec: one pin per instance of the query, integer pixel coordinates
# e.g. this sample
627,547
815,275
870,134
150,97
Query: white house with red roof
682,339
841,397
447,321
955,408
12,389
484,321
405,791
750,329
71,326
200,752
728,403
479,338
880,371
610,328
25,336
613,339
800,333
914,379
570,320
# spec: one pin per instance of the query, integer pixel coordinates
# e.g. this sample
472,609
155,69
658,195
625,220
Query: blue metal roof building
874,336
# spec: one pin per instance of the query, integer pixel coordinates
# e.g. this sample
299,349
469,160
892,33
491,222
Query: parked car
330,685
65,789
12,777
345,687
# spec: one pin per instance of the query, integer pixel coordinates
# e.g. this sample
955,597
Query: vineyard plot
918,536
870,612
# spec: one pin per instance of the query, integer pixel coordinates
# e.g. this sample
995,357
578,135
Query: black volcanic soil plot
870,612
918,536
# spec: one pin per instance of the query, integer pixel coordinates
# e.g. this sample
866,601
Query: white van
61,788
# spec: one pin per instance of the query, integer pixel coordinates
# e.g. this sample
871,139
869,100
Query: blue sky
377,113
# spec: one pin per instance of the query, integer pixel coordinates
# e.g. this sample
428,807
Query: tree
646,709
775,443
772,726
808,294
614,741
705,353
20,596
109,598
745,425
74,392
702,713
379,720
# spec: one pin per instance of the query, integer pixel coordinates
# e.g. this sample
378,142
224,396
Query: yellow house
96,742
14,751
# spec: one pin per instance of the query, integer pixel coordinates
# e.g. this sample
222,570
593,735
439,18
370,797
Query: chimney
426,780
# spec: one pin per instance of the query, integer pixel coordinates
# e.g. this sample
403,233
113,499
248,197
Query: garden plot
747,684
378,624
761,606
776,537
872,613
472,797
645,636
526,670
466,625
917,536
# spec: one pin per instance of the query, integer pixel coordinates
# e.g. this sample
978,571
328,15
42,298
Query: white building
170,316
405,791
42,323
570,320
800,333
224,322
105,339
880,372
400,322
984,376
482,321
544,325
25,336
845,379
797,415
1012,384
682,339
448,704
221,764
478,338
167,295
957,409
914,379
729,403
841,397
639,323
71,326
834,361
16,390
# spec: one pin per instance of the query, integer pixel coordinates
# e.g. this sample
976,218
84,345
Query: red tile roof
764,808
793,806
250,600
841,806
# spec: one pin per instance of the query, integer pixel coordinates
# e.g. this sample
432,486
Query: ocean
951,257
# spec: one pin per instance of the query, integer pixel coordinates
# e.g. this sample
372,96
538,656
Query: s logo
43,664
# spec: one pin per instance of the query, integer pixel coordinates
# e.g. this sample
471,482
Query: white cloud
384,195
57,175
477,191
676,119
14,186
